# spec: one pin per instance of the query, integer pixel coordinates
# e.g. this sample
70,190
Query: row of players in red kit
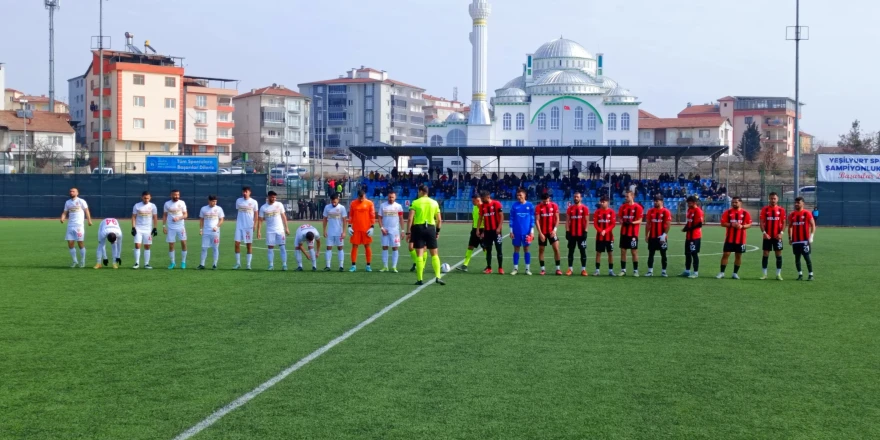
527,221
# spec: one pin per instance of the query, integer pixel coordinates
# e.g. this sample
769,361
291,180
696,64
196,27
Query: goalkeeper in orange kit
362,218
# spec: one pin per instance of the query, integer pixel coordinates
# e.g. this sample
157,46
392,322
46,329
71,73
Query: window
554,118
273,133
685,134
749,120
139,80
170,81
166,146
578,142
554,142
436,140
520,143
127,145
507,121
368,103
624,142
612,121
201,101
591,122
646,135
505,143
542,121
170,124
704,134
294,105
368,90
368,118
140,101
221,149
138,123
591,142
520,121
611,143
579,118
224,117
142,146
202,134
201,117
624,122
456,138
55,140
203,149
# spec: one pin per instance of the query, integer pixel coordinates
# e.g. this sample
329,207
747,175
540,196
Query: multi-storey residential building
13,97
273,119
708,130
76,90
208,117
440,108
365,106
773,115
143,105
44,129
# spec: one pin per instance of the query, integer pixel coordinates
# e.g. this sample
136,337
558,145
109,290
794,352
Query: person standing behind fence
313,210
77,210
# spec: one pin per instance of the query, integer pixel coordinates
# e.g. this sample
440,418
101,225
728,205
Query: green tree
855,142
750,145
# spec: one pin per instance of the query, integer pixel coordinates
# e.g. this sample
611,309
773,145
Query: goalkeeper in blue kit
522,225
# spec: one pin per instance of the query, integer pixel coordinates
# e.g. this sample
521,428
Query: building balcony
106,113
201,141
294,143
294,110
106,91
201,123
776,140
272,139
225,124
225,140
106,134
272,124
225,108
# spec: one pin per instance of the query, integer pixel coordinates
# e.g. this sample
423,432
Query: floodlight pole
101,88
798,36
52,5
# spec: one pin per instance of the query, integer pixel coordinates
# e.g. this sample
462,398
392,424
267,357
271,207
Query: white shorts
175,234
335,241
273,239
210,239
75,233
244,235
392,239
143,237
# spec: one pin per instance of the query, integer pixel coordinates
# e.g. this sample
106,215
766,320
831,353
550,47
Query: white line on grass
235,404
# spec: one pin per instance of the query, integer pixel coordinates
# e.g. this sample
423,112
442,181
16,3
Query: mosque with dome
561,98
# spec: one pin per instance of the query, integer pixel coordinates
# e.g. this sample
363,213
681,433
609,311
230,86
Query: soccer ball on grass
445,268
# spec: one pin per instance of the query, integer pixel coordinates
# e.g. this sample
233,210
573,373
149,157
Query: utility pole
52,5
800,33
24,141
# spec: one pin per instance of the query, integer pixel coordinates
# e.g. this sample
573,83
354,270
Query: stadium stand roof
641,151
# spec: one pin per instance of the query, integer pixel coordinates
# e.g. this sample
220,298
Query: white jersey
247,209
175,209
107,226
144,213
75,209
273,216
334,216
390,213
301,234
212,216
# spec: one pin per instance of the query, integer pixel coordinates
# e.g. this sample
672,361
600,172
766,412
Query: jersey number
110,221
634,243
779,245
693,247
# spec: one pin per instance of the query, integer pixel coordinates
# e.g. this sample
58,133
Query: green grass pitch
124,354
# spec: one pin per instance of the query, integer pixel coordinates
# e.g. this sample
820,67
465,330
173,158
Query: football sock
137,256
299,259
283,250
797,263
764,261
636,266
489,257
217,254
341,258
696,262
271,257
663,259
623,264
82,254
73,254
651,260
249,258
354,254
723,268
384,257
541,262
467,256
583,259
500,256
598,264
183,257
688,258
204,255
313,253
807,258
610,266
557,264
735,269
528,258
570,257
420,268
435,262
778,265
515,259
328,257
413,255
237,258
98,254
171,256
147,257
395,254
368,253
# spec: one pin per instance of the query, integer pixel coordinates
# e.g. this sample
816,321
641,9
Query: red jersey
773,220
492,215
578,217
694,218
733,217
546,216
630,219
657,219
800,225
603,220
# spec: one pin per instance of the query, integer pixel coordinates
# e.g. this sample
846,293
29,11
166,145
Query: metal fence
43,195
847,204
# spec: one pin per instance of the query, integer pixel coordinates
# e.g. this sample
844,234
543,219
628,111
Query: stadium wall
113,195
848,204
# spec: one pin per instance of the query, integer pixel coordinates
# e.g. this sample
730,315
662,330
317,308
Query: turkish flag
566,107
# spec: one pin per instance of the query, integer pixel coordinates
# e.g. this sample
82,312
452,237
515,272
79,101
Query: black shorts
577,242
692,246
549,239
629,242
801,248
735,248
474,241
772,245
490,237
655,244
424,236
604,246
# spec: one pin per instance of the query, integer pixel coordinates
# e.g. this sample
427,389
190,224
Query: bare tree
45,154
770,160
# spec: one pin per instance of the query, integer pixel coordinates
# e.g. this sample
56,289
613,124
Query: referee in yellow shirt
424,230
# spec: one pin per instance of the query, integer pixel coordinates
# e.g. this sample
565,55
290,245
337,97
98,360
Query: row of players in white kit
211,218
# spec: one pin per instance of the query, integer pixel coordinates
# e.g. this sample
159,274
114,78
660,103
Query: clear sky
667,52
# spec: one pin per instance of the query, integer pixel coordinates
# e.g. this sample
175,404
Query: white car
236,170
340,157
102,171
224,171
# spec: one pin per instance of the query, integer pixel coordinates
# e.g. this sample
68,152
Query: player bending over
630,215
474,239
245,223
772,223
491,219
522,229
657,234
424,228
737,221
693,230
210,219
391,218
801,228
272,213
109,230
306,235
576,231
174,227
77,210
547,218
144,220
603,221
334,230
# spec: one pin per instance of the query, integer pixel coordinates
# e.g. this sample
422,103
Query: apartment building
19,136
208,117
273,119
143,104
437,108
14,98
702,131
773,115
364,106
76,92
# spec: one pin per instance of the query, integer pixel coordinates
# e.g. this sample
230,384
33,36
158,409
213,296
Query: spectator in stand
556,174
